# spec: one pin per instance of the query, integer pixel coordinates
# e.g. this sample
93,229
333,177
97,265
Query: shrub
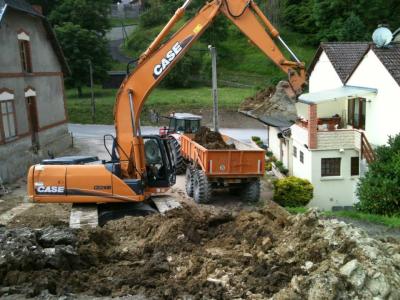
270,154
379,190
268,166
293,191
279,165
256,138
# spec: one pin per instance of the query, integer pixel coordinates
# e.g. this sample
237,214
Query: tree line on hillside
80,26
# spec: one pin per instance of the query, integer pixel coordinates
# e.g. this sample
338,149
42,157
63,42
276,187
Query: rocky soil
199,252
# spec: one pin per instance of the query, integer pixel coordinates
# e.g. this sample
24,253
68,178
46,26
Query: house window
25,53
356,113
302,157
7,119
294,151
330,167
355,166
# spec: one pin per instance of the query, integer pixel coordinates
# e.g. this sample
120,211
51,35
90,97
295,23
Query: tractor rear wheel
179,162
189,183
251,191
202,188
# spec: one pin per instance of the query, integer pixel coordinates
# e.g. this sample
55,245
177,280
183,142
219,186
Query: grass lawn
393,221
161,100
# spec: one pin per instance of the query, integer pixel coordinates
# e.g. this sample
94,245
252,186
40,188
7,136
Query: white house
353,103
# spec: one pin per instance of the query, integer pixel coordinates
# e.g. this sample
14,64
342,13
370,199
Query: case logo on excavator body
171,55
167,60
50,190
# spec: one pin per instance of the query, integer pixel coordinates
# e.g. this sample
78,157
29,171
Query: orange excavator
142,166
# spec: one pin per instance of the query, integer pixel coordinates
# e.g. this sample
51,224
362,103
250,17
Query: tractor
179,123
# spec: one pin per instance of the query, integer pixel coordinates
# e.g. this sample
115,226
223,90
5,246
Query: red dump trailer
238,169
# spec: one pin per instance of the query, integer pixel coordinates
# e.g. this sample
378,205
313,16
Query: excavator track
93,215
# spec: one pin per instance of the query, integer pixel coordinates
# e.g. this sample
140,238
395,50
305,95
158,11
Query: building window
7,119
25,53
294,151
355,166
302,157
330,167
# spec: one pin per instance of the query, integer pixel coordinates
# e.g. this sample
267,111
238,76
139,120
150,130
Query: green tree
89,14
81,45
379,189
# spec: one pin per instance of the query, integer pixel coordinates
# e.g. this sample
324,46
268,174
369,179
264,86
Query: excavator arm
156,62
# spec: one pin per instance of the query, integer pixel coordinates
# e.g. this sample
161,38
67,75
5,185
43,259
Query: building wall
299,169
383,109
324,76
16,157
46,80
281,150
44,58
333,191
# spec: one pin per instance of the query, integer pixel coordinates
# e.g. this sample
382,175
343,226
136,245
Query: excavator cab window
159,168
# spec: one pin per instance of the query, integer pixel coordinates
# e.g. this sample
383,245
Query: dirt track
202,253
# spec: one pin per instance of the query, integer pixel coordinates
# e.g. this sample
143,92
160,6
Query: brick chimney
38,8
312,126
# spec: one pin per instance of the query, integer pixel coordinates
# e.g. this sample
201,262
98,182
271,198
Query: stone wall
17,156
336,139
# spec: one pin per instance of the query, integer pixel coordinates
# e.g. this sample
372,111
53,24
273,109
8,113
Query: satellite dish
382,37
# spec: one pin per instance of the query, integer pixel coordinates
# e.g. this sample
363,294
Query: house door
356,113
33,120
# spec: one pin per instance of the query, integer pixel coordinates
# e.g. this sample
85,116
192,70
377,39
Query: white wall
382,111
299,169
333,191
276,145
324,76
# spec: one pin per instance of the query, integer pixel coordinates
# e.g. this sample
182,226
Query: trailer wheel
189,183
251,191
179,162
201,187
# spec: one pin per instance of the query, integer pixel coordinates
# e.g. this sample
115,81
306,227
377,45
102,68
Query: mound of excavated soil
211,139
197,253
272,104
257,100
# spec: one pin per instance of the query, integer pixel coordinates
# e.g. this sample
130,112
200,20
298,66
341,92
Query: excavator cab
160,169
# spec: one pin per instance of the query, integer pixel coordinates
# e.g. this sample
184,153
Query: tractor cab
181,123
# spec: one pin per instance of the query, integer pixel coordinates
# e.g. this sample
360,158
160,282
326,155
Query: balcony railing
331,139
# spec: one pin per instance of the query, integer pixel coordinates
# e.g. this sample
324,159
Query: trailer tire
251,191
202,188
189,181
179,161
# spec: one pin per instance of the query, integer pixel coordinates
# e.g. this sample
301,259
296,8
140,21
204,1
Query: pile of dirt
210,139
251,103
199,253
272,105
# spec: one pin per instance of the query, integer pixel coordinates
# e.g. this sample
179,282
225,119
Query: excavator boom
155,63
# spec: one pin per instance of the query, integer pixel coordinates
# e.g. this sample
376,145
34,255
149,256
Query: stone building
33,119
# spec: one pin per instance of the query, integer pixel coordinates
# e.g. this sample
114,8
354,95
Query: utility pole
213,52
92,92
